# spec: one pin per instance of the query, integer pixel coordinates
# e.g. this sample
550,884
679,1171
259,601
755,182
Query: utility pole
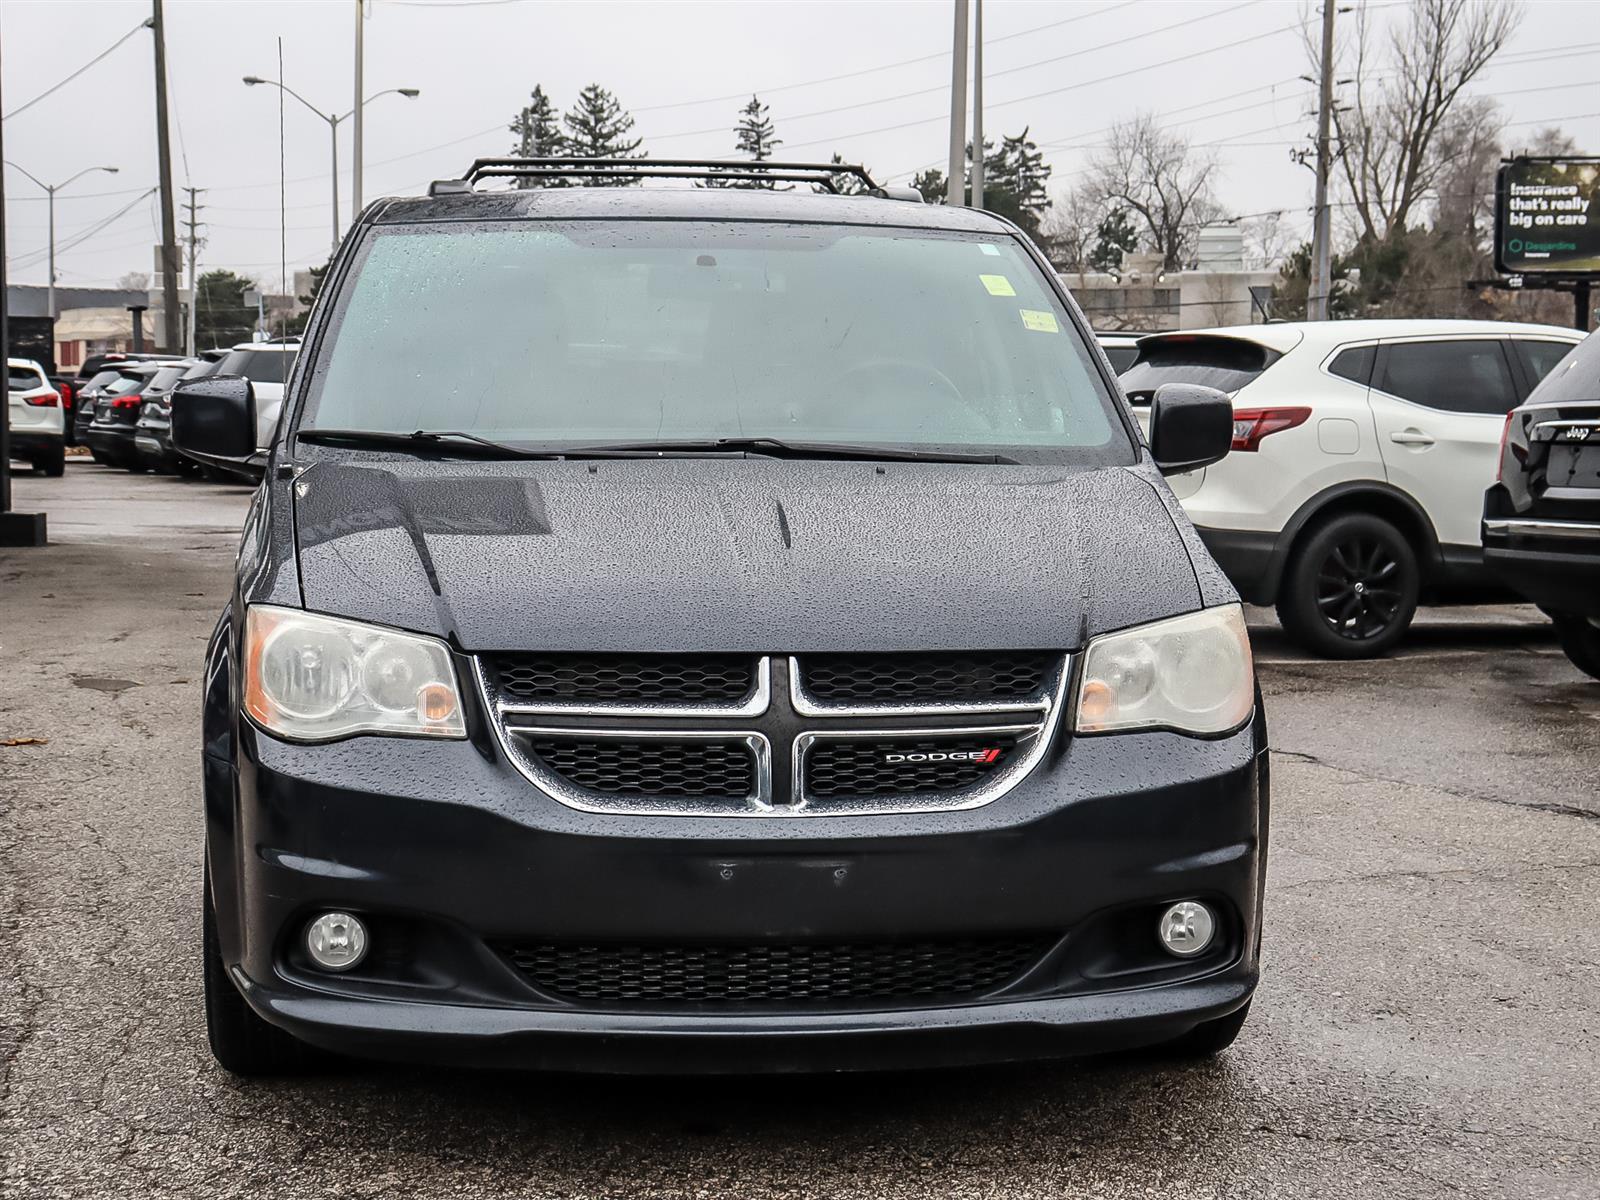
356,130
954,185
169,227
194,279
977,105
16,529
1321,283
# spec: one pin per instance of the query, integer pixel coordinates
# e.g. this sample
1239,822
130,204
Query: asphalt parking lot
1428,1022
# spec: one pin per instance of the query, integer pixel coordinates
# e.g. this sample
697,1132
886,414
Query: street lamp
333,128
51,190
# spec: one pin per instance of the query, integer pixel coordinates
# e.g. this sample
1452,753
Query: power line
904,62
57,87
33,257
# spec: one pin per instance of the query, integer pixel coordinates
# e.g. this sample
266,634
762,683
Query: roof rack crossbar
670,168
550,173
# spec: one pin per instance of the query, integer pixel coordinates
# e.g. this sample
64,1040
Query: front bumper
451,855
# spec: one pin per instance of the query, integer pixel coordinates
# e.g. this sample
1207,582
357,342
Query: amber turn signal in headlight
313,678
1191,673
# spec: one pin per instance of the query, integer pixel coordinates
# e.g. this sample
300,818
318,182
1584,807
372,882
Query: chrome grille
840,767
655,766
939,680
635,679
754,736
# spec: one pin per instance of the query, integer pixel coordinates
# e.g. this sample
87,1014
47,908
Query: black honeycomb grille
639,679
900,765
650,766
988,678
761,973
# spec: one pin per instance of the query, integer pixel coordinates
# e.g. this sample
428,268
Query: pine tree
931,183
1113,239
597,127
755,139
538,136
846,183
1018,174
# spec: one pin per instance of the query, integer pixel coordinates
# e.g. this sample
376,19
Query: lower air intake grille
638,679
845,680
757,973
650,766
899,765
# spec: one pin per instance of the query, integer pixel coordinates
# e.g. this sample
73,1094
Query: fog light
1187,928
336,941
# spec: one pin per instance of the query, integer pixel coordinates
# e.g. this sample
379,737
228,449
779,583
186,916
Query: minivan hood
690,554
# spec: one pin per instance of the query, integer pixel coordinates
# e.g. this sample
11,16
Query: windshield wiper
776,448
458,440
422,439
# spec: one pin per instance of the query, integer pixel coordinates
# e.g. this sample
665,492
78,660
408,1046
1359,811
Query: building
1144,298
88,320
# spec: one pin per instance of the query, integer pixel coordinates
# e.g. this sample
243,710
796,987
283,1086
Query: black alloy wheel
1351,588
1358,590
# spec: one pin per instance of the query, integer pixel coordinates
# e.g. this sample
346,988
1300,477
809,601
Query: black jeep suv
1541,519
718,630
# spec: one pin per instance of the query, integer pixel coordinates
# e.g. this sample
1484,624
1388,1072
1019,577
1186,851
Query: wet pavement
1428,1022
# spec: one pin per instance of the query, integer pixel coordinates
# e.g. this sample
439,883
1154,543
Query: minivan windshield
655,332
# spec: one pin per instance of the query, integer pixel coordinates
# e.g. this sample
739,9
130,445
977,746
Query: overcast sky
1065,69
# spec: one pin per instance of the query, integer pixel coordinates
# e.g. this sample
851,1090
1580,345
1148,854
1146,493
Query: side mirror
215,417
1190,427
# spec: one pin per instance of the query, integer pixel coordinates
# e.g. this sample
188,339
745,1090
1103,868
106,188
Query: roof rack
820,174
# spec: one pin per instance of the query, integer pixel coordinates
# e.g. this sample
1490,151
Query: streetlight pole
358,131
50,193
333,131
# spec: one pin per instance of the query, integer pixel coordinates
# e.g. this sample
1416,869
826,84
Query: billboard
1547,217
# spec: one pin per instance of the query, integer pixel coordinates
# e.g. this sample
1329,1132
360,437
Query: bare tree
1067,232
1392,152
1160,180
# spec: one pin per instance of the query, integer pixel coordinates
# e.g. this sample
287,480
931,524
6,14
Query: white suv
38,424
1360,456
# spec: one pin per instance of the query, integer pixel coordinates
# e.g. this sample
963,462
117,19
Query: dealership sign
1547,217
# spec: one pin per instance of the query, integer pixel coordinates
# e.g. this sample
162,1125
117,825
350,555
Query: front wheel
1351,589
1580,639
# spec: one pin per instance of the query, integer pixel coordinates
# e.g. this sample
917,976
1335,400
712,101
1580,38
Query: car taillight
48,400
1250,425
126,402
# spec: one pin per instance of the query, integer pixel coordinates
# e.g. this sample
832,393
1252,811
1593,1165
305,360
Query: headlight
311,678
1191,673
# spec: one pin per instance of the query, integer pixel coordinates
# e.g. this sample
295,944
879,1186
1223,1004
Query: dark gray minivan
718,630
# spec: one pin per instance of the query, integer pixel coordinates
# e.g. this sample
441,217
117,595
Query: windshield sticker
988,249
998,285
1039,322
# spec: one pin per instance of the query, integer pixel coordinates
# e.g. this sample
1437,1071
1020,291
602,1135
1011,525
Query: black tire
1208,1038
1351,588
1580,639
100,457
52,462
242,1042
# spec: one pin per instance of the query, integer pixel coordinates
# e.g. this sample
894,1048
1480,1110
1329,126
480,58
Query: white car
1361,453
1120,348
267,365
38,421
